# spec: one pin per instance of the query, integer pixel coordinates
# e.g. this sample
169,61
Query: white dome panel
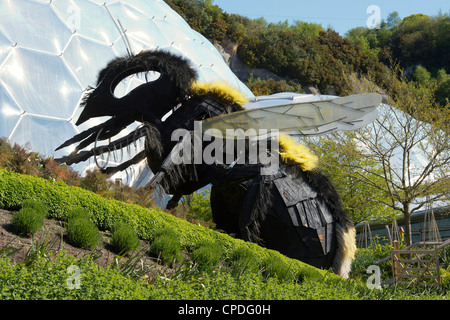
9,113
52,51
33,25
30,129
5,47
88,19
40,83
83,55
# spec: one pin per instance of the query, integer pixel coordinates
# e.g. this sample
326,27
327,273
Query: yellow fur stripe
346,250
220,89
291,150
349,243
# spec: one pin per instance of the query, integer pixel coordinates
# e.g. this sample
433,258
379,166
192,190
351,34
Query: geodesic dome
52,51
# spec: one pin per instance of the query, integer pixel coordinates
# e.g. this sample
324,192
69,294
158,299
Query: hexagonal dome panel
33,25
40,83
51,51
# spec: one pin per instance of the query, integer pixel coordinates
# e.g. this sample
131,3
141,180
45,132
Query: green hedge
46,279
60,199
51,280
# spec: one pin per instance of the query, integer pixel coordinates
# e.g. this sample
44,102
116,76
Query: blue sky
340,15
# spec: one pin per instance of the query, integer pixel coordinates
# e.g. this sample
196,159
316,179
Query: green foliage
416,40
76,213
421,75
30,218
242,260
167,246
207,255
273,267
124,239
365,257
37,206
44,278
362,201
19,159
302,51
311,55
200,207
149,224
267,87
81,231
323,59
443,93
27,221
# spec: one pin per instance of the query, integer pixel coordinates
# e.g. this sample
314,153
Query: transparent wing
300,118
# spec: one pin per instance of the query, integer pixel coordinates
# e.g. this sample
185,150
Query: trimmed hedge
27,221
256,273
49,279
61,199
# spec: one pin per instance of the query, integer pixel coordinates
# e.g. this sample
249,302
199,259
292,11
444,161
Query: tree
443,92
393,20
421,75
363,202
200,207
410,143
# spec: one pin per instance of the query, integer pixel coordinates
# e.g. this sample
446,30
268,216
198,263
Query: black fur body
295,212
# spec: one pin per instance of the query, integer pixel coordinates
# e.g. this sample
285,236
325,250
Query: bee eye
132,82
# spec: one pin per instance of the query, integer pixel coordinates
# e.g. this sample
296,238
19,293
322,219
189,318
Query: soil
53,233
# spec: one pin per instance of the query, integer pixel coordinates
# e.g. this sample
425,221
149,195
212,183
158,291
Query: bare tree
410,143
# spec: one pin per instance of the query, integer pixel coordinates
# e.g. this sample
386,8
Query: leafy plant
124,239
40,248
35,205
367,256
28,221
242,259
273,267
167,246
200,207
82,232
60,199
207,255
76,213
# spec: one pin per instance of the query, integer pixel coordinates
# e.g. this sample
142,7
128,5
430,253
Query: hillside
306,57
244,271
180,260
59,198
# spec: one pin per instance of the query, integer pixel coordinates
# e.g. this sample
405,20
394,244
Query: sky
340,15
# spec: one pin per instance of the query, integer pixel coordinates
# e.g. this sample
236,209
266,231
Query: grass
243,271
29,219
207,255
167,247
124,239
82,232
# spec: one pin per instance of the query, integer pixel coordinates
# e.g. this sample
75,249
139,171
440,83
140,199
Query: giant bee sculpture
293,209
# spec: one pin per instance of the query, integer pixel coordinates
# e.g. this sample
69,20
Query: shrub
28,220
273,266
243,259
124,239
82,232
207,255
60,199
167,246
200,207
367,256
76,213
35,205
